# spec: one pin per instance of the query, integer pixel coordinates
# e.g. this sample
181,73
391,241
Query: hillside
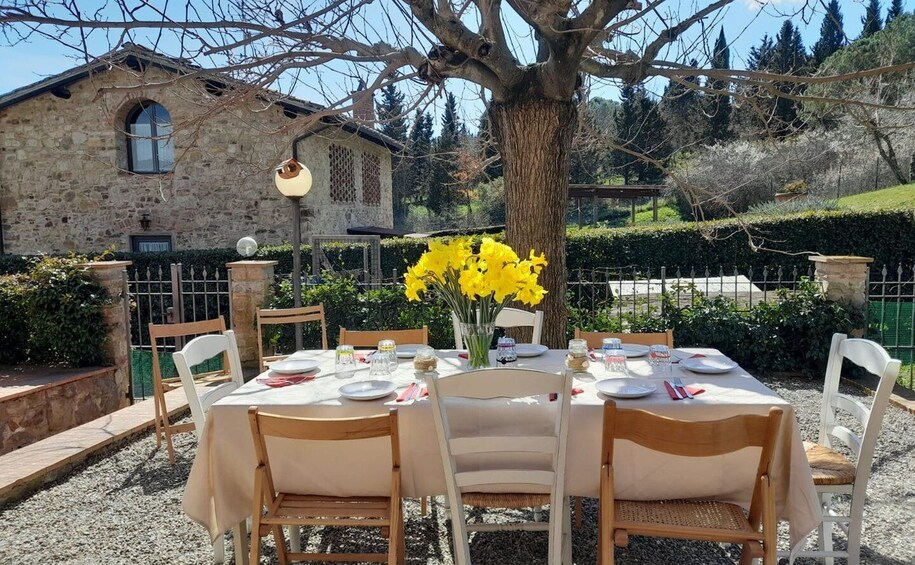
902,196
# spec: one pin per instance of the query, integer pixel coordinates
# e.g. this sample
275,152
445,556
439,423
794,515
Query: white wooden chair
507,318
194,353
527,486
832,472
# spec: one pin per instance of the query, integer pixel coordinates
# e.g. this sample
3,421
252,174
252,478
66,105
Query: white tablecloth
219,489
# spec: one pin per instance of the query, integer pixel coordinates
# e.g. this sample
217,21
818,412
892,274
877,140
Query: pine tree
832,33
760,58
871,19
682,109
789,58
394,125
441,195
490,148
719,106
640,130
894,11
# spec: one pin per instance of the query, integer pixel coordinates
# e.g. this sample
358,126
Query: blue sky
744,22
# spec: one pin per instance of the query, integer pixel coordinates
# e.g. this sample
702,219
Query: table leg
240,539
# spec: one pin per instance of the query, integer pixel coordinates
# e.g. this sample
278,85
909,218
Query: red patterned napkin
407,393
278,381
364,357
592,355
463,355
694,390
575,390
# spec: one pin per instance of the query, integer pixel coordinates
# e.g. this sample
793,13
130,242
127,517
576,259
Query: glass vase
477,339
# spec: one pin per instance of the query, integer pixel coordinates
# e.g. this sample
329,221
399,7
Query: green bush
65,313
14,328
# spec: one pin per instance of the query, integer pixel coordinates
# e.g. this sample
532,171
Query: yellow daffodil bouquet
476,285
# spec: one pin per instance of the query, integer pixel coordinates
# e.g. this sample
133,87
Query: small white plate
530,349
710,364
294,366
635,350
408,350
626,387
367,390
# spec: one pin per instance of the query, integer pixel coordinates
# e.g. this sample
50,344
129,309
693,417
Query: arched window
149,145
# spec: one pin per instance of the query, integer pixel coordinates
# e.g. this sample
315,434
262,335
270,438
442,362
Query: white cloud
755,5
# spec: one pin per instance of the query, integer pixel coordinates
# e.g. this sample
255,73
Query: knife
673,387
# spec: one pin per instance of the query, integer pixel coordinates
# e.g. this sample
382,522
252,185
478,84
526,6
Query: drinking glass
346,362
506,354
388,350
614,356
659,357
381,366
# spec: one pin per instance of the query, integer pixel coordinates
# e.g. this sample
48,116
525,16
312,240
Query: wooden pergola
629,192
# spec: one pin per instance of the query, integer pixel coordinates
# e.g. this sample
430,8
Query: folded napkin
364,357
694,356
407,393
463,355
694,390
592,355
278,381
575,390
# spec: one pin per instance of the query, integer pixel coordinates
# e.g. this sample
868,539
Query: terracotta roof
131,54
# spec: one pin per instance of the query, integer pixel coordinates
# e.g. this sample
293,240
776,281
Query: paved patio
125,507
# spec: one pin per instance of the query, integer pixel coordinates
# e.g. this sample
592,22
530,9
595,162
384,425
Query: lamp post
293,180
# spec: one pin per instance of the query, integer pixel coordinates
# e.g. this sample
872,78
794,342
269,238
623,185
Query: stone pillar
110,274
843,279
250,286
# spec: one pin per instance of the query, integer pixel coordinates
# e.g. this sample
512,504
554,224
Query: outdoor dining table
219,490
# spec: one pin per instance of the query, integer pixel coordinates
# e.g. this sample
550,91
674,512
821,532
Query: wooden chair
371,338
507,318
832,472
596,339
163,331
385,512
706,520
197,351
469,486
287,316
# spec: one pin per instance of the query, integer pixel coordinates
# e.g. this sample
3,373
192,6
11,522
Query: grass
902,196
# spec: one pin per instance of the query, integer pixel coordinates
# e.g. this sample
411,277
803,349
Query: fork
678,382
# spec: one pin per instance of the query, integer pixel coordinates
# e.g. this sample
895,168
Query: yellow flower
538,261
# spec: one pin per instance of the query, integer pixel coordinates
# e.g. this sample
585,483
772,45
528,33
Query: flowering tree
530,59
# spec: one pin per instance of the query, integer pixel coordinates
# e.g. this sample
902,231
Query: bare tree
529,58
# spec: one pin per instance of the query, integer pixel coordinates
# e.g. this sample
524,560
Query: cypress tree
894,11
394,125
419,150
441,195
871,19
719,106
832,33
682,109
640,130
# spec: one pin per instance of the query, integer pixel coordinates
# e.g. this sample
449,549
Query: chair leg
578,512
422,506
567,533
295,539
240,540
219,550
825,530
281,552
538,514
459,533
855,525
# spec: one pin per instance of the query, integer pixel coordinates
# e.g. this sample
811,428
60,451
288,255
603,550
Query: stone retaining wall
41,411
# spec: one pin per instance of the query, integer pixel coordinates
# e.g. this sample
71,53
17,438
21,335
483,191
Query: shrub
65,313
795,187
809,204
14,327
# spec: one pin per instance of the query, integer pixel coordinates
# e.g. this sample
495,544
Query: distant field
902,196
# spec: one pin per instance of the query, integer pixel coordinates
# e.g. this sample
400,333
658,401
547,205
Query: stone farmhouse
143,152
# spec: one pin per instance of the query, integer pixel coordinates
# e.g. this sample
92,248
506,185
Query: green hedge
52,313
887,235
792,334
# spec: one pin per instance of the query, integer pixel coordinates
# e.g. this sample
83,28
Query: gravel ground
125,507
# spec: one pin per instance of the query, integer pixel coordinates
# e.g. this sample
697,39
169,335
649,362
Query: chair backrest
197,351
186,329
264,425
695,439
282,316
488,384
876,361
507,318
595,339
371,338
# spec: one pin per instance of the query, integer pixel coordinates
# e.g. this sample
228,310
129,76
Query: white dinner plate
710,364
626,387
294,366
635,350
367,390
408,350
530,349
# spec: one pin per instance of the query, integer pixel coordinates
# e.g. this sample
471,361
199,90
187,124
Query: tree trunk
535,140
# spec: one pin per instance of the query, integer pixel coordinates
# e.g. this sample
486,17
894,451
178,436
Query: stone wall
64,185
43,411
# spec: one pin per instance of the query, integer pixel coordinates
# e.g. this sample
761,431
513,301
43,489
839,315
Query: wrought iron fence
891,315
169,296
